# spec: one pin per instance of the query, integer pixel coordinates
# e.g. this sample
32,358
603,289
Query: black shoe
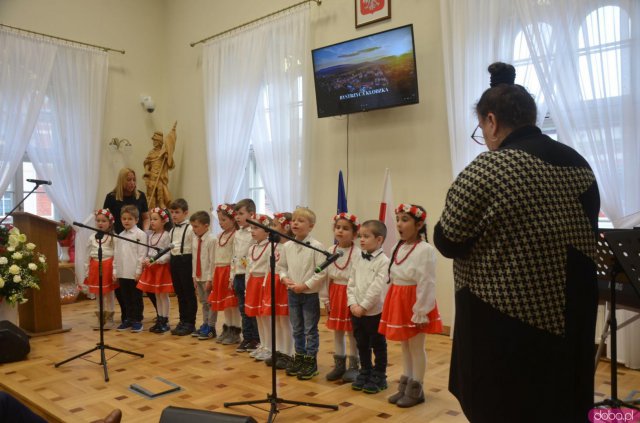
243,346
283,361
377,382
309,369
295,365
274,357
178,327
361,380
186,329
252,345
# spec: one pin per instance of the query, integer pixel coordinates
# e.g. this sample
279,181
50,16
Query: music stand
625,247
101,346
272,398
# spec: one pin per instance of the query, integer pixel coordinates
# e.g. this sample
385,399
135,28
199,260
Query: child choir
369,298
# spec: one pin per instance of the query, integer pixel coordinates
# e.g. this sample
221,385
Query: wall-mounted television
366,73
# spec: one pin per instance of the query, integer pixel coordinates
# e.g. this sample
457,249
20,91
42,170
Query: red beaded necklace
253,249
151,243
335,247
395,258
227,240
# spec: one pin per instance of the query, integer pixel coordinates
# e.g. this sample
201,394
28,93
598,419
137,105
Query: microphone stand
272,398
101,346
20,203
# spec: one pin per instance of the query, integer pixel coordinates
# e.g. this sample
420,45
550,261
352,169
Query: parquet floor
211,374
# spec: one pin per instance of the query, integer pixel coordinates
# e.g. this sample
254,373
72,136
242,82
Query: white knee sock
285,333
407,363
418,357
162,302
339,342
228,317
235,317
109,301
264,330
353,348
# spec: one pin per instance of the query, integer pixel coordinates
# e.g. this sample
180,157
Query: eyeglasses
478,139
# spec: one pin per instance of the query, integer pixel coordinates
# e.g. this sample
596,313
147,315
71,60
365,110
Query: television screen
366,73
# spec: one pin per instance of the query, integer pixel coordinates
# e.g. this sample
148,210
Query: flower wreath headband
413,211
107,213
162,213
347,216
226,209
282,220
263,218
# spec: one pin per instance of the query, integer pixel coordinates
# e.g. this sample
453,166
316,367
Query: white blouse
418,269
335,271
224,249
258,256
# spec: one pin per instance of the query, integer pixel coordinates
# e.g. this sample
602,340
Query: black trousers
132,297
120,298
12,410
181,274
365,330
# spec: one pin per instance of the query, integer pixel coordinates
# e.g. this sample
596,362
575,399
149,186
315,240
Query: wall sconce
119,144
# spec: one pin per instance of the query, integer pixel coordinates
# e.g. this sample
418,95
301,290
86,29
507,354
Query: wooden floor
210,374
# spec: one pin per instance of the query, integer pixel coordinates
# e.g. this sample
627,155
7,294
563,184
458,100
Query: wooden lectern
41,315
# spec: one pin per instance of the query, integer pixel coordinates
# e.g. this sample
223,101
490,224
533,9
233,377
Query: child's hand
357,310
114,278
146,262
327,306
208,286
298,288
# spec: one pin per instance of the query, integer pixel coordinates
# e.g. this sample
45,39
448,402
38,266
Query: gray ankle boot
413,395
401,388
339,369
234,336
223,336
352,372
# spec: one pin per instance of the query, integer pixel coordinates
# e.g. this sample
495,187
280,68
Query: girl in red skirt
104,222
156,275
284,338
410,310
345,230
258,268
222,297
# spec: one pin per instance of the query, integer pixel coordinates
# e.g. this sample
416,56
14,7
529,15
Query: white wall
412,140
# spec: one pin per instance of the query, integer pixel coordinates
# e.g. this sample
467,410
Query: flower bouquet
20,266
66,238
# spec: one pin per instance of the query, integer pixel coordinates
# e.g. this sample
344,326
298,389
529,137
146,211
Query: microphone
162,252
330,259
39,181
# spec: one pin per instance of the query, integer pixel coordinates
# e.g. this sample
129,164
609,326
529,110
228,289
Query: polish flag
387,215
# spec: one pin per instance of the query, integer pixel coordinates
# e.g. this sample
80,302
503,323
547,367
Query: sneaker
377,382
185,329
361,380
209,334
295,365
202,329
253,345
274,357
243,346
309,368
257,351
137,327
283,361
263,355
126,325
178,327
155,328
164,325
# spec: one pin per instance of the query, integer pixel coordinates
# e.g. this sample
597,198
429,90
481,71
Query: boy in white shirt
245,209
366,290
296,269
203,248
129,268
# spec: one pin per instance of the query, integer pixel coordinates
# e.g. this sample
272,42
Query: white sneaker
263,355
257,351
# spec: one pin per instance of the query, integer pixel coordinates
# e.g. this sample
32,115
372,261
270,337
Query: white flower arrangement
20,266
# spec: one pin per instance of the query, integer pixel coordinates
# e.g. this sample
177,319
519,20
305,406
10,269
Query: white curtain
269,55
232,68
593,90
65,147
25,65
279,132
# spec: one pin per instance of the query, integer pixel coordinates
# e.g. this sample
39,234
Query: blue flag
342,197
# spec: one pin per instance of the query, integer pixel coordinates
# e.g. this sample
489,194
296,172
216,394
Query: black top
520,223
115,206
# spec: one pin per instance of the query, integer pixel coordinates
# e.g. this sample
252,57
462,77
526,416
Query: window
38,203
